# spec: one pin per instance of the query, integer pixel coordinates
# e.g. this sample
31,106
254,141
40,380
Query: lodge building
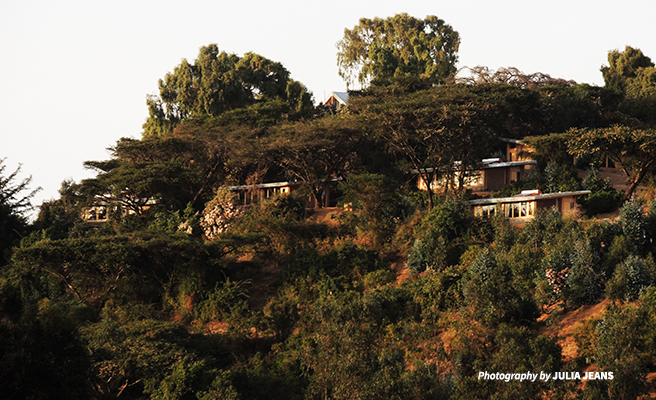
522,207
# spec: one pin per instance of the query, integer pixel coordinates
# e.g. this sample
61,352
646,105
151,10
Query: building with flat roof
492,175
522,207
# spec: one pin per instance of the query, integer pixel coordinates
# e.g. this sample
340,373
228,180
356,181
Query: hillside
274,250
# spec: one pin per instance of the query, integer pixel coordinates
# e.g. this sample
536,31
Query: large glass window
521,209
486,211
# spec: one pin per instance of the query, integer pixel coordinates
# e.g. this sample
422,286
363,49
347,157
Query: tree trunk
326,190
636,180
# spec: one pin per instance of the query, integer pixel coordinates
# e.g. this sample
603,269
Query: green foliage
318,151
42,351
633,224
172,222
398,47
437,292
335,270
135,357
278,227
137,268
228,301
604,198
559,178
443,236
13,203
136,186
507,348
552,178
543,229
440,130
218,82
630,279
625,344
488,288
629,147
625,68
584,280
378,278
375,206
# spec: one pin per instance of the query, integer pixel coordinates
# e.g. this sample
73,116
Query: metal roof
489,165
508,140
515,199
341,97
273,185
264,185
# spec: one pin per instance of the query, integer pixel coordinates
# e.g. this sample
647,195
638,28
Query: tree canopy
379,50
629,72
633,149
15,197
217,82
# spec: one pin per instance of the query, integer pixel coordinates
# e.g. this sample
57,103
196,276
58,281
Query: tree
14,201
376,206
402,46
318,151
436,131
512,76
632,75
634,150
57,218
624,67
136,187
217,82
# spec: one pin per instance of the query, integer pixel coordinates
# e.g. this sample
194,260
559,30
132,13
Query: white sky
74,75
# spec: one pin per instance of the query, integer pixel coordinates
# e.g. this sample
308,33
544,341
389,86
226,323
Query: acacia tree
511,76
437,131
401,46
634,150
318,151
217,82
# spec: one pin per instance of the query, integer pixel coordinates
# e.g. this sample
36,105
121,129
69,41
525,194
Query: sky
74,75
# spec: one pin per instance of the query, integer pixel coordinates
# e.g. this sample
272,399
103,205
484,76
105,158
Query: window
521,209
486,211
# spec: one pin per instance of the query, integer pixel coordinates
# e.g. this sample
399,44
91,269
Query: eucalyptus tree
401,46
626,68
218,82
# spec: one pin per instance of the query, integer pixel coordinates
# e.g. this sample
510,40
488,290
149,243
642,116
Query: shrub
228,300
630,280
488,288
443,237
634,223
584,280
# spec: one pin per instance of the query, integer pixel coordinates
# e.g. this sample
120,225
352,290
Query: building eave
515,199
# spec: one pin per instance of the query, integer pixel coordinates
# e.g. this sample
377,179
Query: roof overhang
515,199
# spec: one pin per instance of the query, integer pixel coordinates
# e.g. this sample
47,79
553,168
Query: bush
634,223
488,288
584,280
375,206
443,236
630,280
228,300
604,198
